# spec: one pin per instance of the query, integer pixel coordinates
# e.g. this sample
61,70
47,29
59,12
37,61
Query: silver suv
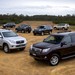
62,26
9,40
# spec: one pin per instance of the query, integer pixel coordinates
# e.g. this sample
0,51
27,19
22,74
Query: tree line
70,19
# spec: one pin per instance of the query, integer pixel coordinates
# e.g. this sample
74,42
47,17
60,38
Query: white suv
10,40
62,26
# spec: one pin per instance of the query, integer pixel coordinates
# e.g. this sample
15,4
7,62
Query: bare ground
20,63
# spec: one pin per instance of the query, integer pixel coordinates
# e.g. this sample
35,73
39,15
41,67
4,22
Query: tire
23,31
54,59
6,48
34,33
63,28
55,28
50,32
42,33
29,31
16,30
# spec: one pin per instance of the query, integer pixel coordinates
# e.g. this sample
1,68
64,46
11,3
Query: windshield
22,25
9,34
54,39
40,27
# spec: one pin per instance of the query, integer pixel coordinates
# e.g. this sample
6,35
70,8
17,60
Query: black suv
10,25
24,28
55,47
42,30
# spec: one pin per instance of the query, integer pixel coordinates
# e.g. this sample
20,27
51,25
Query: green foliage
19,18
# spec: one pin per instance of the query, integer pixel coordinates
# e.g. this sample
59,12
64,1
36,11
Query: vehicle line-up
55,47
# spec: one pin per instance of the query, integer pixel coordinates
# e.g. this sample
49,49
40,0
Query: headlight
12,41
46,50
25,41
31,47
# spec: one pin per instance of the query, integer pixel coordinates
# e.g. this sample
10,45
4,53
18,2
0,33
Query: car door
46,29
66,49
73,42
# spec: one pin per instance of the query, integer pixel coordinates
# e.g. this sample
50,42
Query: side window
47,27
67,39
73,37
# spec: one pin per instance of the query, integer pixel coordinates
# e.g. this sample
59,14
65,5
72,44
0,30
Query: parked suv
54,48
43,29
24,28
9,25
62,26
10,40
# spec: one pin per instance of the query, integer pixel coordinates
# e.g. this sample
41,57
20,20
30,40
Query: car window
67,39
73,37
41,27
54,39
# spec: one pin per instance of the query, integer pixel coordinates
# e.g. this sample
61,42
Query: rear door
73,42
66,49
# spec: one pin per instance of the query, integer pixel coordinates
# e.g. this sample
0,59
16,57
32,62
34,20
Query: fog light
45,57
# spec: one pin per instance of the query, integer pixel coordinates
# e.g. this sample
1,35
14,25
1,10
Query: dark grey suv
10,25
43,29
54,48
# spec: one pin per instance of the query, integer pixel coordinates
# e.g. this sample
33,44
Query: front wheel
54,59
6,48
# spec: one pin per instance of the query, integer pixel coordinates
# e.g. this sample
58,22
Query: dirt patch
20,63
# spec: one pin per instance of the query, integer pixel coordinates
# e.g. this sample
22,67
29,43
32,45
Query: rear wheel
54,59
55,28
6,48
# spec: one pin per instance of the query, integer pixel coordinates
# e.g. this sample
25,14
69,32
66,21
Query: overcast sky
37,7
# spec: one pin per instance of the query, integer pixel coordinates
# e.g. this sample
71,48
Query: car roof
63,33
46,25
4,30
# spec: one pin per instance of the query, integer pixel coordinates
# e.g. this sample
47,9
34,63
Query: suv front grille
20,42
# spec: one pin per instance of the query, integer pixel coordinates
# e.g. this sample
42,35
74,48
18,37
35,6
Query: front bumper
40,57
37,32
17,46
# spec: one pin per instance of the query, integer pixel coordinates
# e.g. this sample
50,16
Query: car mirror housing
63,43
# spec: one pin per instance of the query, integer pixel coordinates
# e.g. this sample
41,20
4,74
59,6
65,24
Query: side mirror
63,43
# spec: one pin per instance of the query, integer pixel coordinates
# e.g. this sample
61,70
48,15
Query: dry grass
20,63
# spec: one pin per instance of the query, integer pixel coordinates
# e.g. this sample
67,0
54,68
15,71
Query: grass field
20,63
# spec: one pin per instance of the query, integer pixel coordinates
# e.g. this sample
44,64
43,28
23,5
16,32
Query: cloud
31,7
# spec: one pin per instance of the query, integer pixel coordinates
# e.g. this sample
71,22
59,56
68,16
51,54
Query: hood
18,38
43,45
